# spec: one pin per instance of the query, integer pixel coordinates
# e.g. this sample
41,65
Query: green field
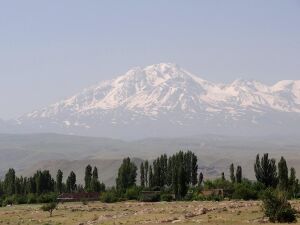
225,212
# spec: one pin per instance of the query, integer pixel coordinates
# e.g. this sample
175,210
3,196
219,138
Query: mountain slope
159,99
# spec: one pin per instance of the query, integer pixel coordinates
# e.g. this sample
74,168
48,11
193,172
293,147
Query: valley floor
213,213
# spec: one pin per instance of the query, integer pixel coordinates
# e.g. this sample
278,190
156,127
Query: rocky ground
226,212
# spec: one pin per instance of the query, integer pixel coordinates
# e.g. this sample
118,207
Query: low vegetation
49,207
173,178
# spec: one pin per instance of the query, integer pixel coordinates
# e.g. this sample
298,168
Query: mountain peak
167,93
162,67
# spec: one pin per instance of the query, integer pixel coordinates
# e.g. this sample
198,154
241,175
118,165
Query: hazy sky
52,49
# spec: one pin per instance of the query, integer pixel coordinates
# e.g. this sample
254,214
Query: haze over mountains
164,100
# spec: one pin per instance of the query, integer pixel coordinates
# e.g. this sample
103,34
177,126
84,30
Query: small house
213,192
80,196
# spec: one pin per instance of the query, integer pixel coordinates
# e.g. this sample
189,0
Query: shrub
84,202
216,198
19,199
245,192
166,197
47,198
49,207
155,197
8,201
109,197
132,193
193,194
31,199
277,208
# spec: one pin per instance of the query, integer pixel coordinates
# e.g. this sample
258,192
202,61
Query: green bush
31,199
8,201
47,198
109,197
49,207
19,199
245,192
132,193
166,197
277,208
155,197
216,198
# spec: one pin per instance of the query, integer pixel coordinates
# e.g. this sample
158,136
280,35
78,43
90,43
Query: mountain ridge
165,95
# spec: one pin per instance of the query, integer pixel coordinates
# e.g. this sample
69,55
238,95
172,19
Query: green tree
223,176
232,176
95,186
293,182
169,171
150,177
200,182
156,172
71,182
88,178
239,175
59,183
266,171
277,208
142,171
49,207
194,172
126,175
181,174
9,182
146,167
182,182
95,173
43,181
283,179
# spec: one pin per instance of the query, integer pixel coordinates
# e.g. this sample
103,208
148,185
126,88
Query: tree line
177,174
42,183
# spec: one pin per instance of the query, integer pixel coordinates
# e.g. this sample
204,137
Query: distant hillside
26,153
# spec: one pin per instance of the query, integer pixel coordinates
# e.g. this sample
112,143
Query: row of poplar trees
276,175
42,182
178,172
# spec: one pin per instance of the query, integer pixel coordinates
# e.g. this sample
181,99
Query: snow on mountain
167,94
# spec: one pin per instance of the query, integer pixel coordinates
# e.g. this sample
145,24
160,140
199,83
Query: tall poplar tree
239,174
194,172
283,177
150,177
9,182
142,172
71,182
88,178
146,167
223,176
59,184
95,183
266,171
201,177
232,176
126,175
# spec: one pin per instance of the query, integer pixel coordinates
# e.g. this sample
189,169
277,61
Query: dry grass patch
213,213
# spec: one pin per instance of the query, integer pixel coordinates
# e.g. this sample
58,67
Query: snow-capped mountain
164,99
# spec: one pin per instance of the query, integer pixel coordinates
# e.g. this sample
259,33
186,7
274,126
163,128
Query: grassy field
226,212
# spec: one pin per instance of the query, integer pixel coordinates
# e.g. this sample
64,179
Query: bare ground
214,213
